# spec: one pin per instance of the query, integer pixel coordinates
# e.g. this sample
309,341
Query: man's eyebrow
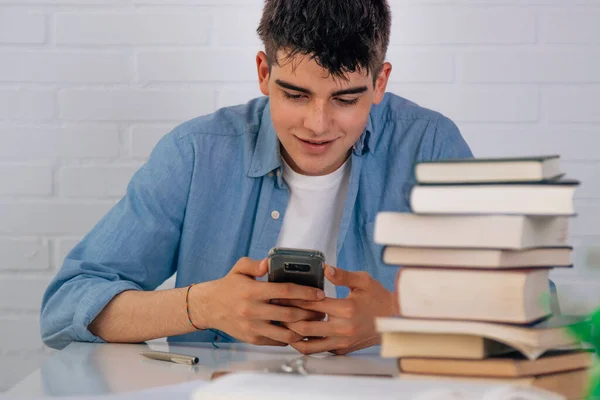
354,90
287,85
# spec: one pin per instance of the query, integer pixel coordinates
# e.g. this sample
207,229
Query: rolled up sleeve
133,247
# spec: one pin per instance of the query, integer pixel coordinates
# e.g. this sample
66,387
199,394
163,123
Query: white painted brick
572,142
530,66
587,255
95,182
462,25
25,180
63,66
50,142
20,333
526,2
572,104
201,2
22,27
578,297
204,66
145,137
568,25
132,28
234,95
50,218
61,2
135,104
12,289
588,218
30,104
237,27
589,176
64,246
585,259
477,103
394,4
421,66
23,254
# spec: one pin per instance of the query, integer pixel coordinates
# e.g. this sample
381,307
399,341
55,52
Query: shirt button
275,214
278,172
271,174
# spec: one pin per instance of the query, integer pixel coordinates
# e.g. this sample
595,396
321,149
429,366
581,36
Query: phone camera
295,267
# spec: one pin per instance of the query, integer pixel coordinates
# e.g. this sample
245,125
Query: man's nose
317,119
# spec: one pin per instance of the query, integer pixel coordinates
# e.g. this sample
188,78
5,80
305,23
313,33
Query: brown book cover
511,365
406,344
570,384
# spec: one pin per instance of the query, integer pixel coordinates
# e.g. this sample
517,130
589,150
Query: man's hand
239,305
351,321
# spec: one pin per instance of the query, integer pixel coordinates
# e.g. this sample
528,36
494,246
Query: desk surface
95,369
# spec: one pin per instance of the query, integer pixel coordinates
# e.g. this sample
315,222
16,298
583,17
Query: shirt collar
362,145
267,155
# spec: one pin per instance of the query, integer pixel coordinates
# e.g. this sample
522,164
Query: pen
172,357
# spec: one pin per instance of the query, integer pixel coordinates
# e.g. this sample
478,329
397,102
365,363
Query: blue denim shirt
204,200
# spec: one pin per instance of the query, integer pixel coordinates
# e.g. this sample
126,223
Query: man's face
317,117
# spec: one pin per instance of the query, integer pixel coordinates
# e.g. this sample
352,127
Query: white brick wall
27,104
23,254
95,182
64,67
132,28
133,104
22,26
87,88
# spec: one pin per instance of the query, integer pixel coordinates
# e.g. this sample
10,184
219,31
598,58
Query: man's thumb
340,277
252,268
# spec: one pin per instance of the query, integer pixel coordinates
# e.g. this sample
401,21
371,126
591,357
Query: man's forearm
135,316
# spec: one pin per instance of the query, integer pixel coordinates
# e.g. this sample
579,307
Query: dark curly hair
342,36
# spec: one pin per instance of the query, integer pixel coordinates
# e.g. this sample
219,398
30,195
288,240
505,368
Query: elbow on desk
73,299
56,320
55,339
54,333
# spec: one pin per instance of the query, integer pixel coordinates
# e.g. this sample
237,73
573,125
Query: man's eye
292,96
348,102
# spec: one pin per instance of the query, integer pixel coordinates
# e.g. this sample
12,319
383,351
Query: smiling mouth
316,142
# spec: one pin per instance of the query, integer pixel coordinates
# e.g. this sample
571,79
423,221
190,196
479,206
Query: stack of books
474,293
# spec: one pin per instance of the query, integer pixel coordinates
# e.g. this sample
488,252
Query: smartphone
299,266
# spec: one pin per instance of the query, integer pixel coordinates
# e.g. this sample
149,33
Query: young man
308,166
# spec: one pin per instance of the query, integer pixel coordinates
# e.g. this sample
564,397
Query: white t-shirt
314,213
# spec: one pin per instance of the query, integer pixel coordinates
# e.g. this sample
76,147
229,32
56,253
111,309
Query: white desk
95,369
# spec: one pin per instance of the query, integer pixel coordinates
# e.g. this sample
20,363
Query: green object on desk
588,332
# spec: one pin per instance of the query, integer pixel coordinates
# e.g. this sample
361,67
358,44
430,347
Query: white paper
254,386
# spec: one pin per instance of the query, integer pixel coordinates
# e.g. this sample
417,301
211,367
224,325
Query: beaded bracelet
187,306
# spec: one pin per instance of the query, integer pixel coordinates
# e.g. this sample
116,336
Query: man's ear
262,67
381,82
